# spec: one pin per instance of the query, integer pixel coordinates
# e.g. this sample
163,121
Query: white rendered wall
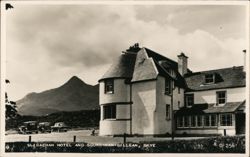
143,108
113,127
121,92
209,96
162,124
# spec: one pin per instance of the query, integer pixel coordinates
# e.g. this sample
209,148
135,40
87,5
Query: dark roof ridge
217,69
160,55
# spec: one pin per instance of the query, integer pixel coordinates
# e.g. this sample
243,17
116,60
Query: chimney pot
182,64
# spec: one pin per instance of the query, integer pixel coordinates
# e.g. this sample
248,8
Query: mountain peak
75,79
74,82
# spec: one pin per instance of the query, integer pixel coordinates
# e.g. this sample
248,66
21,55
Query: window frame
218,99
107,84
168,112
109,112
209,77
201,121
215,120
193,120
227,122
168,86
187,96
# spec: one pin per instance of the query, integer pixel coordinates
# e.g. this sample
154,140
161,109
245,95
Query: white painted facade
141,103
209,96
121,94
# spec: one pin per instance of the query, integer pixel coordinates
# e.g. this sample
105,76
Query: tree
10,106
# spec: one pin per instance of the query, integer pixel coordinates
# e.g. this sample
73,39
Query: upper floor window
167,86
209,78
189,100
109,86
109,112
221,97
167,111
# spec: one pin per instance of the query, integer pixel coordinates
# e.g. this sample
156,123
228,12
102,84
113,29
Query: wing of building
145,93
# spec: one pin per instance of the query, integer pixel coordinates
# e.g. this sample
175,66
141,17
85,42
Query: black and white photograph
125,77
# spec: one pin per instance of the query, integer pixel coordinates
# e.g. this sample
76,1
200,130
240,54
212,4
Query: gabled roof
225,78
144,67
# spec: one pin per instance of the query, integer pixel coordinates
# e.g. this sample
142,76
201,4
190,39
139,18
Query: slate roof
123,67
211,108
225,78
161,63
227,108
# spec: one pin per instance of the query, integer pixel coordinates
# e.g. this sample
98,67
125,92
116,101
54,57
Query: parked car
60,127
28,127
44,127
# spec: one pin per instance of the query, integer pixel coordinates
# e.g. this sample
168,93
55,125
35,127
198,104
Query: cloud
46,45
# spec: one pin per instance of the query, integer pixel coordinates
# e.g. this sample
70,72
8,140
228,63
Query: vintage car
44,127
28,127
59,127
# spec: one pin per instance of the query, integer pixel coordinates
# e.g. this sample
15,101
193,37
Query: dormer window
209,78
109,86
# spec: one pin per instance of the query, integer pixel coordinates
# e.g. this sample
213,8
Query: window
193,121
199,120
189,100
226,120
109,112
179,104
221,97
109,86
167,111
186,120
180,122
209,78
167,86
206,120
213,120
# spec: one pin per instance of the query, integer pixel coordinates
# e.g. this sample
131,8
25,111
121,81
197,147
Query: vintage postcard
125,77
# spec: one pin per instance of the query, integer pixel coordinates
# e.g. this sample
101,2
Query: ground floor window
209,120
206,120
213,120
109,112
180,122
186,120
226,120
199,120
193,121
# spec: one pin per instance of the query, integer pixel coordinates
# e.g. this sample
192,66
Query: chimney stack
182,64
244,59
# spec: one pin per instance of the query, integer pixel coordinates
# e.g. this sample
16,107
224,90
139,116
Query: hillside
74,95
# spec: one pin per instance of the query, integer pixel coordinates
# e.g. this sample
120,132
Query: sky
48,44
